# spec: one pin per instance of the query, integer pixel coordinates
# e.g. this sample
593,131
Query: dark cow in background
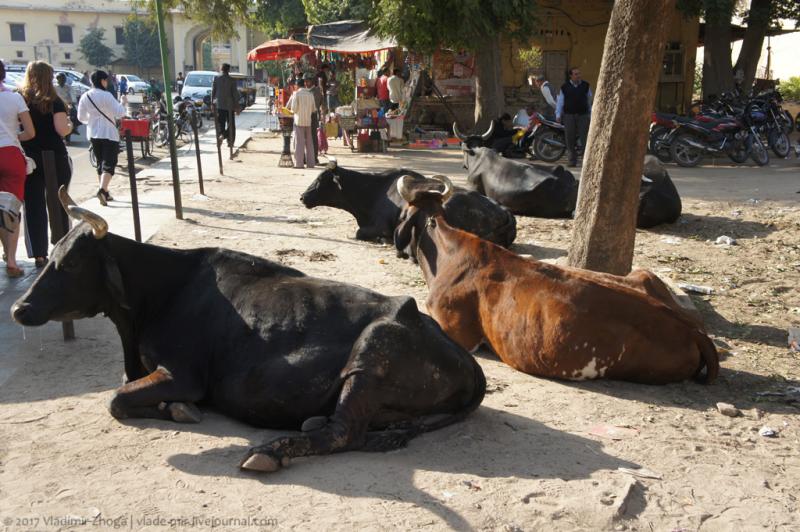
659,202
526,189
260,342
373,200
547,320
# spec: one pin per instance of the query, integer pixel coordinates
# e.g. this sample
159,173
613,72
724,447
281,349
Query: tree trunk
717,68
489,97
757,24
605,222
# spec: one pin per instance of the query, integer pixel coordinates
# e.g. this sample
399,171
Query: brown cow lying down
547,320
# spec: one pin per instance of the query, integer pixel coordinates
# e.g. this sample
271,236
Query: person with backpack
99,110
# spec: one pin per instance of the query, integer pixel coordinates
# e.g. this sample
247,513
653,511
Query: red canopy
278,49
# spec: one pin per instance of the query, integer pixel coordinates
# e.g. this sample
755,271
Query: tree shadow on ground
489,443
703,227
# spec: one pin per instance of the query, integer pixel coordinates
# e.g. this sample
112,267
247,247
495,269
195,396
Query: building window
17,32
64,34
672,66
67,55
19,54
120,35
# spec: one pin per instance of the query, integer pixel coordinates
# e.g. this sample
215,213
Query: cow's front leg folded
158,395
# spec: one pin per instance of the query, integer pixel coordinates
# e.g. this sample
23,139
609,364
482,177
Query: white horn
448,186
403,187
99,225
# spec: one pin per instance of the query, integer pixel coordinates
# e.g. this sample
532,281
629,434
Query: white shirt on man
548,94
98,126
303,105
12,104
396,84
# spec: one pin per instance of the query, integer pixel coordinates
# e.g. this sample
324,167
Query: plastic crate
139,128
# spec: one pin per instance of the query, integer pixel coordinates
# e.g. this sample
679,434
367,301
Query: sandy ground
537,455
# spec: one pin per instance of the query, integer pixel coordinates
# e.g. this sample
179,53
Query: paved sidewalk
156,206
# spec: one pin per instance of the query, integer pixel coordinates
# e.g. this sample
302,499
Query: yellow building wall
578,29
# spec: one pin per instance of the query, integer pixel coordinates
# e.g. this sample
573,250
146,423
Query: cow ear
403,233
114,282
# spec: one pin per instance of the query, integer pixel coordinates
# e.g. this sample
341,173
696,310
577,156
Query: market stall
351,45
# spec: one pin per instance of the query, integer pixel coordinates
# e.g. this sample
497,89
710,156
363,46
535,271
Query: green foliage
790,89
141,43
221,16
323,11
531,58
425,25
94,50
277,17
347,87
697,86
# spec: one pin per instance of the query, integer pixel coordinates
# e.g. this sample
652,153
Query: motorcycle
548,139
737,138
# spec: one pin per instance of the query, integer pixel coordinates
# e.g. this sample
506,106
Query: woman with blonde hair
49,115
13,112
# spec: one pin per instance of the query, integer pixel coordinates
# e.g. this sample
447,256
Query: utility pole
173,154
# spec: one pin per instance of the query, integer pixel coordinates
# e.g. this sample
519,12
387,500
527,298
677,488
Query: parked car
135,83
197,84
75,82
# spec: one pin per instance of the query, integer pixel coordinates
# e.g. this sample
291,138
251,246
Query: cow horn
448,186
489,131
331,163
99,225
458,133
403,188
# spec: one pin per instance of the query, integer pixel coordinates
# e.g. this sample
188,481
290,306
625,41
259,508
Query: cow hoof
261,462
185,413
314,423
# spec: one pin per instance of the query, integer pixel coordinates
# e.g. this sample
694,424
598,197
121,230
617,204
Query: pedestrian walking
541,83
318,101
52,124
225,103
13,169
302,104
573,108
99,110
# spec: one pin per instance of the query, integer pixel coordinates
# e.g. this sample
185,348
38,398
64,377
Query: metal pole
215,115
231,133
59,221
173,154
197,150
137,228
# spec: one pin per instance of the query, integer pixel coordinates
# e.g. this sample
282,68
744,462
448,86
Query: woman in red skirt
13,112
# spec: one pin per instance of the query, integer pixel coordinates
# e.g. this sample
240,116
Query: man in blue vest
573,107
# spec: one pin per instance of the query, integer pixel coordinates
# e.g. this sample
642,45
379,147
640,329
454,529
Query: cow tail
708,358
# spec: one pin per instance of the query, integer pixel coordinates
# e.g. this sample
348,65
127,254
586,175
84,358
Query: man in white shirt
544,87
396,84
303,105
99,110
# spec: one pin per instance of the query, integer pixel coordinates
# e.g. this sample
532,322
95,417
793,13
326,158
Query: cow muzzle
24,314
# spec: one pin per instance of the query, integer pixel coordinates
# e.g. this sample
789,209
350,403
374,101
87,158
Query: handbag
10,208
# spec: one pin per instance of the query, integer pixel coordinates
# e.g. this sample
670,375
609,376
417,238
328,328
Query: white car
135,83
197,84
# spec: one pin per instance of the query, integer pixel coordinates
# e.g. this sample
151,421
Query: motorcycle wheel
683,154
779,142
549,146
759,153
738,154
656,139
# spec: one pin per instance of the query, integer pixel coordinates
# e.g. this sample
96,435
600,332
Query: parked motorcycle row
733,127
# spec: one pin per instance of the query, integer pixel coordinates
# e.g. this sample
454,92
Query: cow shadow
489,444
710,227
720,325
733,386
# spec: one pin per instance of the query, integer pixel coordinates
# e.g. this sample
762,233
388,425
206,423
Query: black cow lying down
526,189
659,202
260,342
373,200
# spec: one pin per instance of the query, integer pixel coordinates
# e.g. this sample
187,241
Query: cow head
425,202
81,279
326,189
474,141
